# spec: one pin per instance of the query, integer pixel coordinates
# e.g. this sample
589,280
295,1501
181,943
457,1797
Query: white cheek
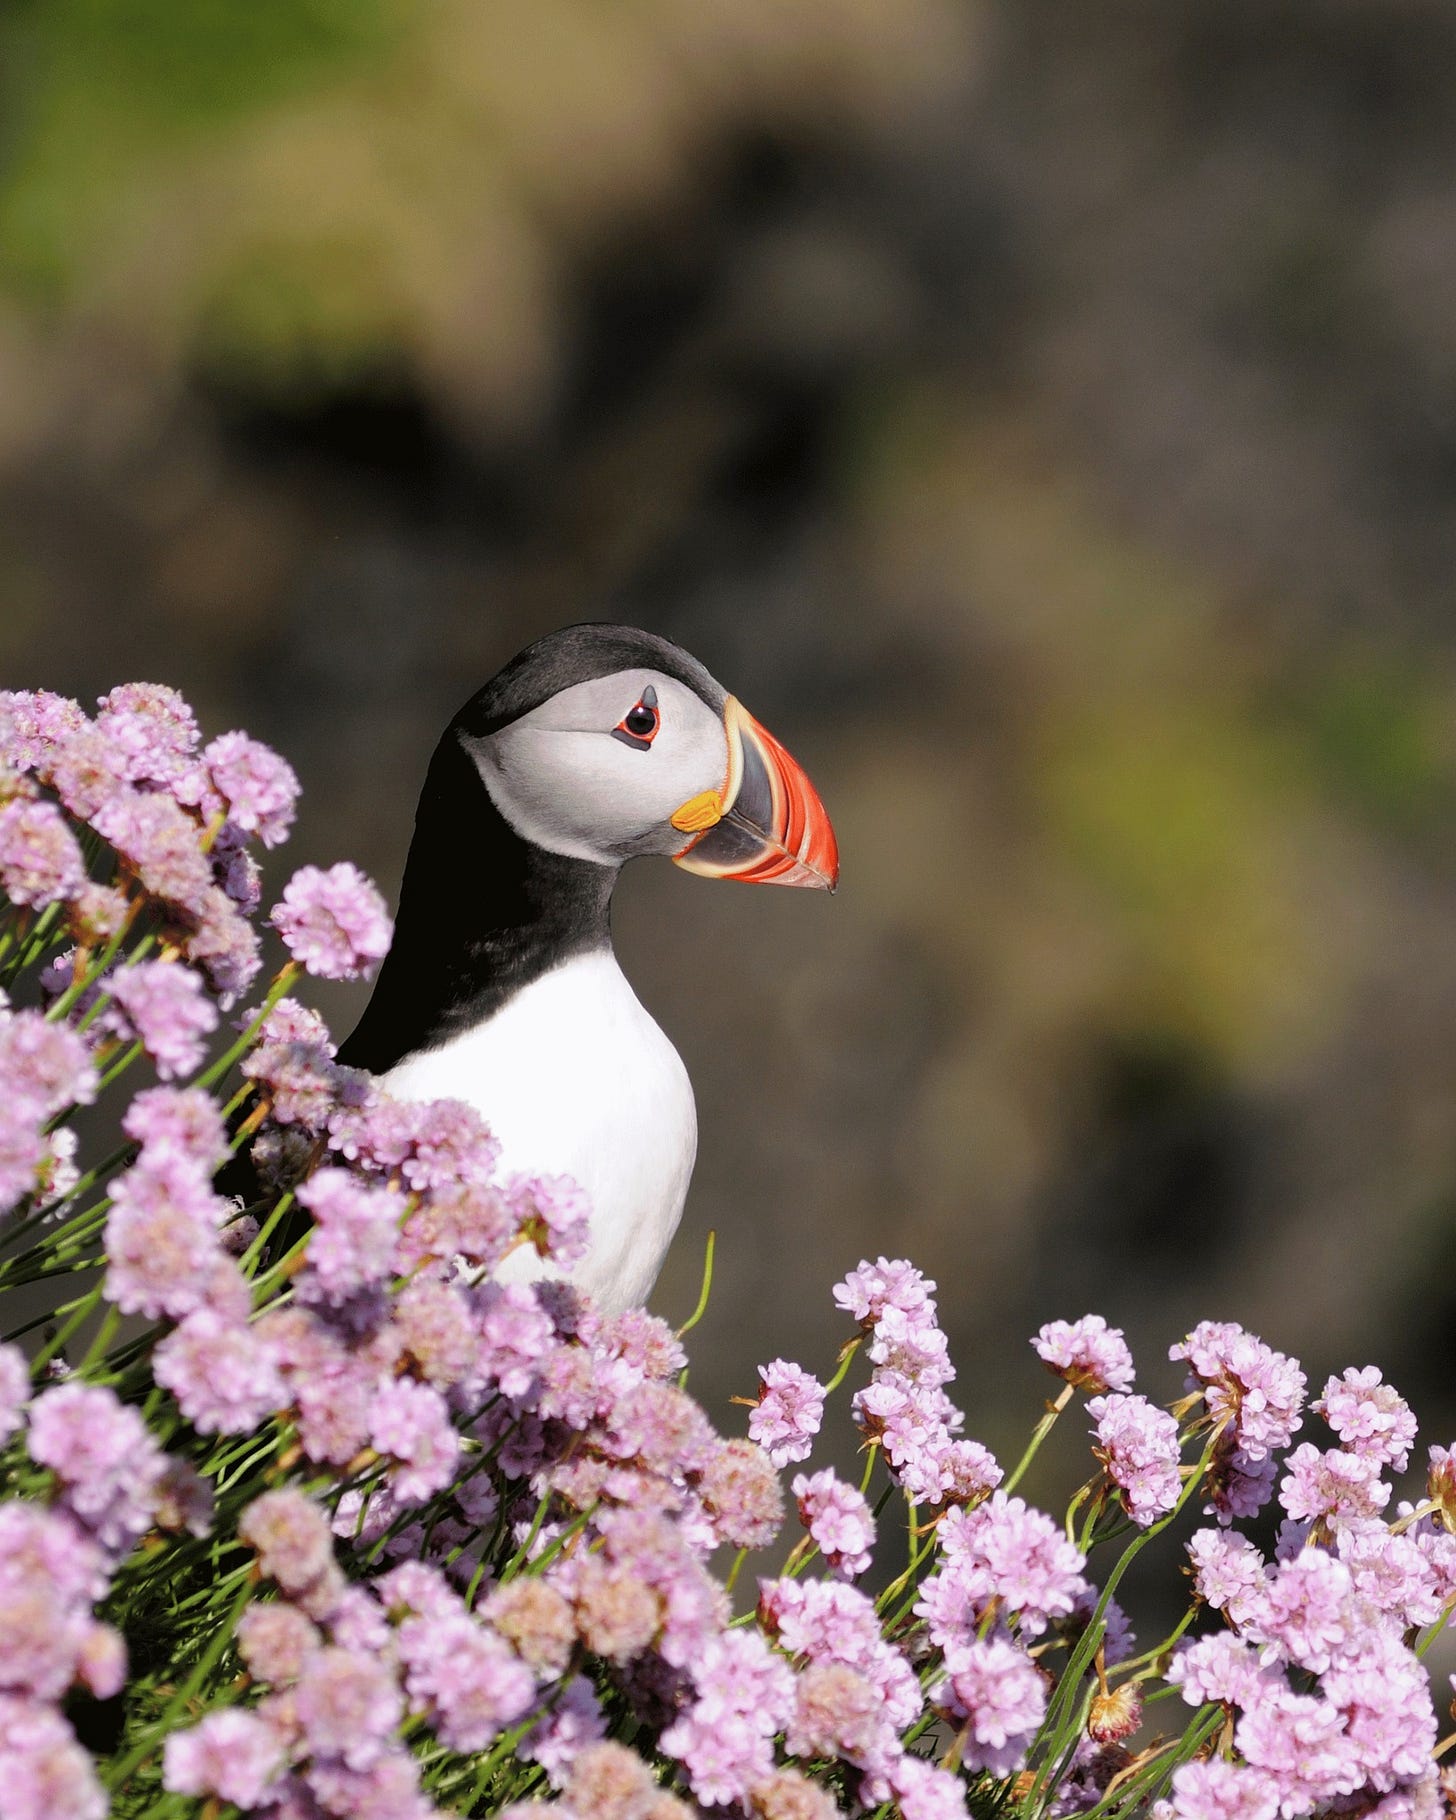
538,802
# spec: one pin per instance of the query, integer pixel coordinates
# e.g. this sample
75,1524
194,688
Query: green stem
211,1076
1039,1434
116,1775
707,1289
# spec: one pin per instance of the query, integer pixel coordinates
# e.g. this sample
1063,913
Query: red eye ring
639,726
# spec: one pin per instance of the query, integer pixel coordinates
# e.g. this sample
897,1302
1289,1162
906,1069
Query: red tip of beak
772,828
803,850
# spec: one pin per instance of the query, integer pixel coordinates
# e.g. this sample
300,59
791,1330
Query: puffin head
603,743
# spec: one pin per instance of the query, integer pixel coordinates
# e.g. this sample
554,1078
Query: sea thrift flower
994,1691
1138,1444
184,1120
275,1641
515,1335
104,1456
1087,1353
473,1683
411,1423
355,1230
788,1413
571,1726
552,1213
292,1537
1006,1551
258,788
741,1494
745,1695
14,1390
1222,1668
872,1288
1258,1391
167,1008
1306,1611
1299,1741
837,1713
161,843
1219,1790
1332,1484
348,1705
838,1520
1369,1416
233,1755
40,862
223,1377
334,923
46,1067
161,1236
1228,1573
150,731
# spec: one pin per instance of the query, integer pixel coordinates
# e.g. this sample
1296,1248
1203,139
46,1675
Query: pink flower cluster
904,1408
1330,1705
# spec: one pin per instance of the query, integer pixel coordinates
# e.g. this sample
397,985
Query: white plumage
575,1078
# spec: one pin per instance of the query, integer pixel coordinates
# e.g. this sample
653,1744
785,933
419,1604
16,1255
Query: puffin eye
638,726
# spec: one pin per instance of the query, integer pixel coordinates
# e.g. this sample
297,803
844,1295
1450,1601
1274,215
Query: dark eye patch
639,726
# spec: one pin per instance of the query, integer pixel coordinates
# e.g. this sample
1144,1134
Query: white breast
575,1079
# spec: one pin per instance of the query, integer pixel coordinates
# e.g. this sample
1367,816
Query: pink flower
258,788
44,1067
150,731
553,1213
1332,1483
788,1413
872,1288
563,1736
1218,1790
1306,1611
1138,1444
473,1684
741,1494
184,1120
167,1008
223,1377
333,922
1001,1550
1369,1416
1390,1722
40,862
515,1335
275,1641
1087,1353
355,1231
233,1755
14,1390
162,845
1228,1573
161,1236
745,1695
838,1520
104,1456
1259,1391
411,1423
994,1691
1222,1668
1299,1741
292,1537
348,1705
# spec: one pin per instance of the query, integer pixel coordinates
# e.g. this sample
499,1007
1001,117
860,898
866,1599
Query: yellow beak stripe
699,812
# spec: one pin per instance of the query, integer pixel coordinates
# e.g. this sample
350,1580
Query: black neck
482,912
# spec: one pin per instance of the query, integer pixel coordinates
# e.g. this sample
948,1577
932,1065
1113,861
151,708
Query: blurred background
1043,417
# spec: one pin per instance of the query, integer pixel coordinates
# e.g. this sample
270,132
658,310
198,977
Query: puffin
596,745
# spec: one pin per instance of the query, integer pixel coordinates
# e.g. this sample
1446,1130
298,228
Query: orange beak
766,825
